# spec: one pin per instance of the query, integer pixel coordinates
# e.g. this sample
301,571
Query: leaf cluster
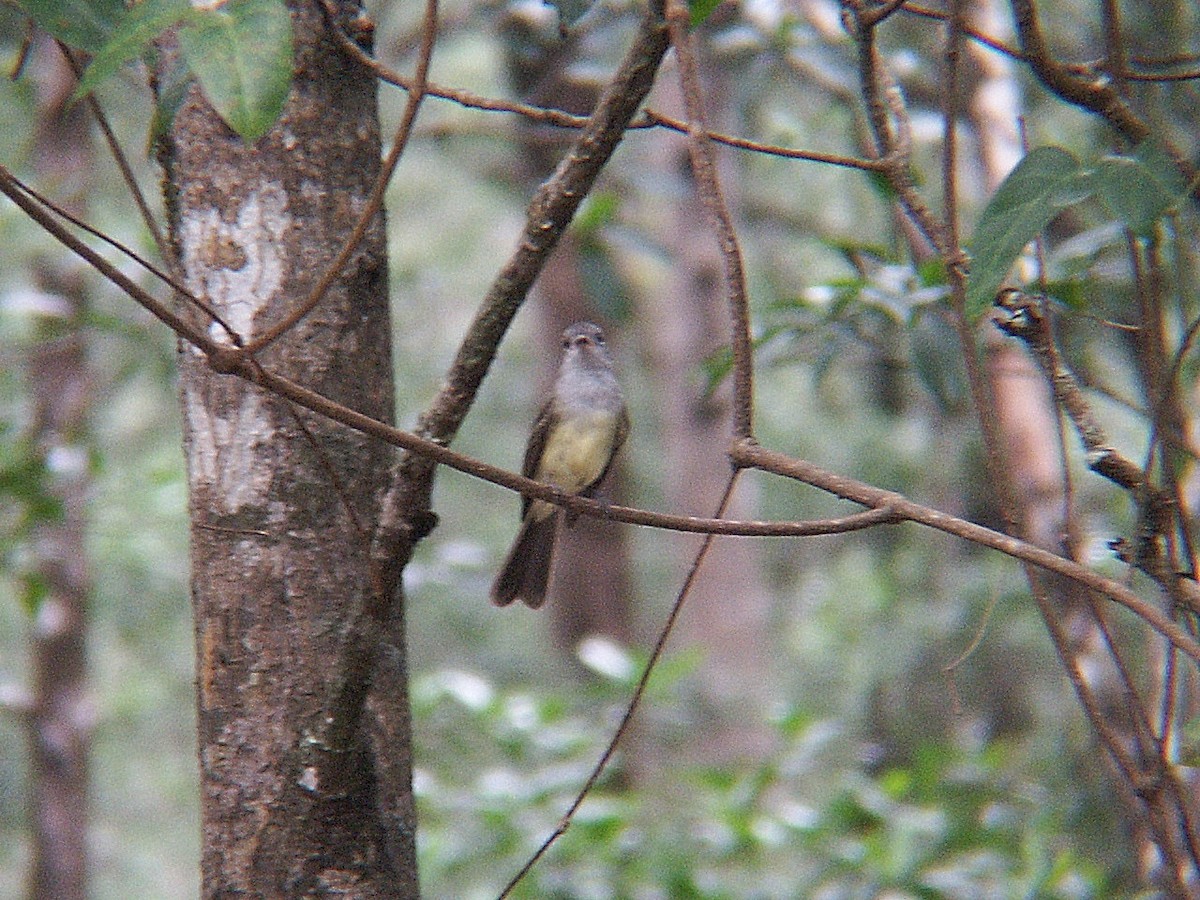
1138,190
238,51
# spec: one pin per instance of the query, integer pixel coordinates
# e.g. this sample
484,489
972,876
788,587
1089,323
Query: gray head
585,341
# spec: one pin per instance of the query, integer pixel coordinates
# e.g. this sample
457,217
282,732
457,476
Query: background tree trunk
61,385
280,523
727,614
540,67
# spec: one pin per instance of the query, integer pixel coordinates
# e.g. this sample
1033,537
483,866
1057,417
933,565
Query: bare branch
549,213
652,117
1089,69
745,454
1095,94
150,267
118,155
648,119
749,454
638,692
708,183
15,191
888,118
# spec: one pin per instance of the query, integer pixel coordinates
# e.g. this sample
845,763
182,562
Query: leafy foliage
239,51
27,503
1139,190
86,24
132,38
948,824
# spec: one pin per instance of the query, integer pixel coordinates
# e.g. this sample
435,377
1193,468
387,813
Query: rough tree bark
281,519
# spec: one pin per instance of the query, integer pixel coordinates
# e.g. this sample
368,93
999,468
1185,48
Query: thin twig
545,115
122,161
1083,70
549,213
888,505
749,454
374,200
12,188
635,700
653,117
708,184
1095,94
158,273
888,119
876,14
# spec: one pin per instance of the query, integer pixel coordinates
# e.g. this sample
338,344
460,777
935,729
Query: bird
576,435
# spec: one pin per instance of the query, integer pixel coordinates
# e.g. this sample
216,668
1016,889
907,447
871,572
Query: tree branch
708,183
549,213
1096,94
749,454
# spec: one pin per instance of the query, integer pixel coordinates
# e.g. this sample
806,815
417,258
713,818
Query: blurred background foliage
920,739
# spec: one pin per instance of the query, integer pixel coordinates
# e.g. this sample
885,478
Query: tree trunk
728,611
542,69
281,515
61,386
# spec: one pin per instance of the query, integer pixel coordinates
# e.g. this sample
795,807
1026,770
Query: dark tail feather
526,569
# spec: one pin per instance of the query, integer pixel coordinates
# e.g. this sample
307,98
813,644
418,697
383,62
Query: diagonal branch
550,212
31,205
561,119
1093,94
1096,94
749,454
405,516
745,454
889,122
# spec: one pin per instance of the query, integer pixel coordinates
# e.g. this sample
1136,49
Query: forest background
900,709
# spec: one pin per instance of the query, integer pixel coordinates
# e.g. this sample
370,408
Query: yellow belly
577,451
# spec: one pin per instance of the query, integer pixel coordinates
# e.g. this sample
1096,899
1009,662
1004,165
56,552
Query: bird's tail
526,570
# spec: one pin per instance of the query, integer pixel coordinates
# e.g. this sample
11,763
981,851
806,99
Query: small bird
577,433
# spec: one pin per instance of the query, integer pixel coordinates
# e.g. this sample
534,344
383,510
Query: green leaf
34,591
717,366
599,209
936,363
134,36
1044,183
174,79
1140,189
84,24
1189,745
702,9
241,53
932,272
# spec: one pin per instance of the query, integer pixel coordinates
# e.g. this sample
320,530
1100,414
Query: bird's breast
577,450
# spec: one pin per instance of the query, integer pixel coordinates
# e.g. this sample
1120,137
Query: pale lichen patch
226,450
238,267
